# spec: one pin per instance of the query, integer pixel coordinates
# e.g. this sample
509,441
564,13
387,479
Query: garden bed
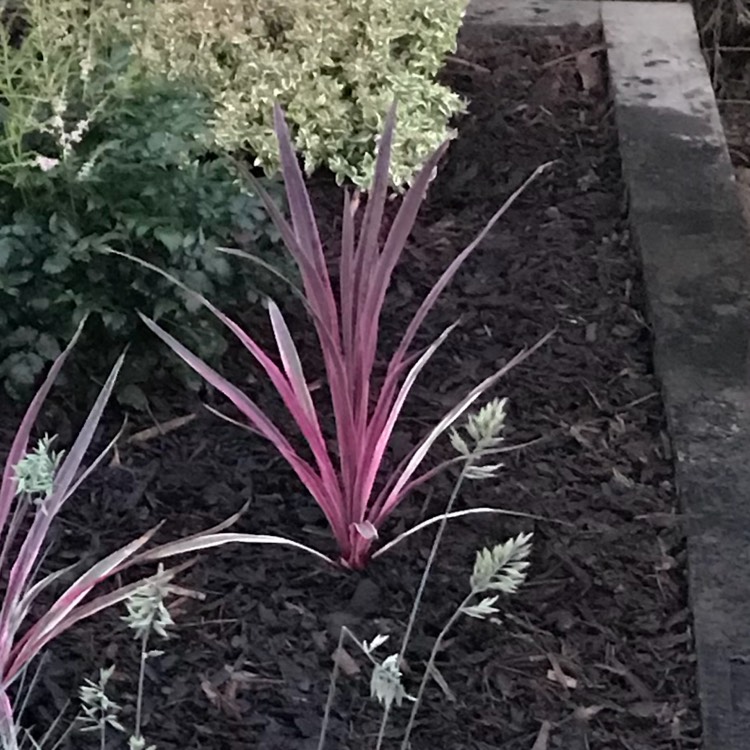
598,643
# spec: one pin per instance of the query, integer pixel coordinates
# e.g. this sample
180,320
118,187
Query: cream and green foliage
334,66
95,155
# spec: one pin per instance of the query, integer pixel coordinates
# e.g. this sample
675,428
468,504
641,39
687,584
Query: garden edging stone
687,222
532,12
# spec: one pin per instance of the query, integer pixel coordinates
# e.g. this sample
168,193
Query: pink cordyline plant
347,489
26,514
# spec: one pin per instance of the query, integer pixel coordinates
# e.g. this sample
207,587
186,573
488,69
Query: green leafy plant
93,155
145,179
334,65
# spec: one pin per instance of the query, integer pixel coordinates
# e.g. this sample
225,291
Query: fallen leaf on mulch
743,190
345,662
646,709
542,739
586,713
621,479
438,677
589,67
565,680
161,429
226,703
557,675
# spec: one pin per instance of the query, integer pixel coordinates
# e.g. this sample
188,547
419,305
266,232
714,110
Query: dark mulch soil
597,646
732,81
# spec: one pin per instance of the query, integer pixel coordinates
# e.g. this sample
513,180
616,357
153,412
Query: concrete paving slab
533,12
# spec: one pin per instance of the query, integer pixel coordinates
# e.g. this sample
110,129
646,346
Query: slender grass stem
141,680
470,461
331,693
429,668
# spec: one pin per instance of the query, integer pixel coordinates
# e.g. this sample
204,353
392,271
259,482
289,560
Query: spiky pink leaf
367,255
450,516
382,438
34,642
367,247
346,273
43,632
315,486
96,463
396,361
450,272
291,361
266,266
36,639
29,646
23,606
8,739
314,286
208,541
218,528
327,318
381,269
303,218
309,426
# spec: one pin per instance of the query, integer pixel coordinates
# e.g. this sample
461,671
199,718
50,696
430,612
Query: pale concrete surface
655,53
533,12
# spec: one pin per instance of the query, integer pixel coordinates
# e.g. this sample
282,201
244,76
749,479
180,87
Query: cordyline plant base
596,650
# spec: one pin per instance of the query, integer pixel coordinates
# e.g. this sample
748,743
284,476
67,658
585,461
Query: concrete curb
687,221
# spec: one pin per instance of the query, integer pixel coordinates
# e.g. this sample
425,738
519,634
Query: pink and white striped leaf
260,421
292,365
34,639
19,578
383,436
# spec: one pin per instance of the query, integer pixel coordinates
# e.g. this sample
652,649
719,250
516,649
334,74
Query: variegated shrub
333,65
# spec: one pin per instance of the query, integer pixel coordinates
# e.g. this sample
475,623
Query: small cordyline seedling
35,485
344,482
